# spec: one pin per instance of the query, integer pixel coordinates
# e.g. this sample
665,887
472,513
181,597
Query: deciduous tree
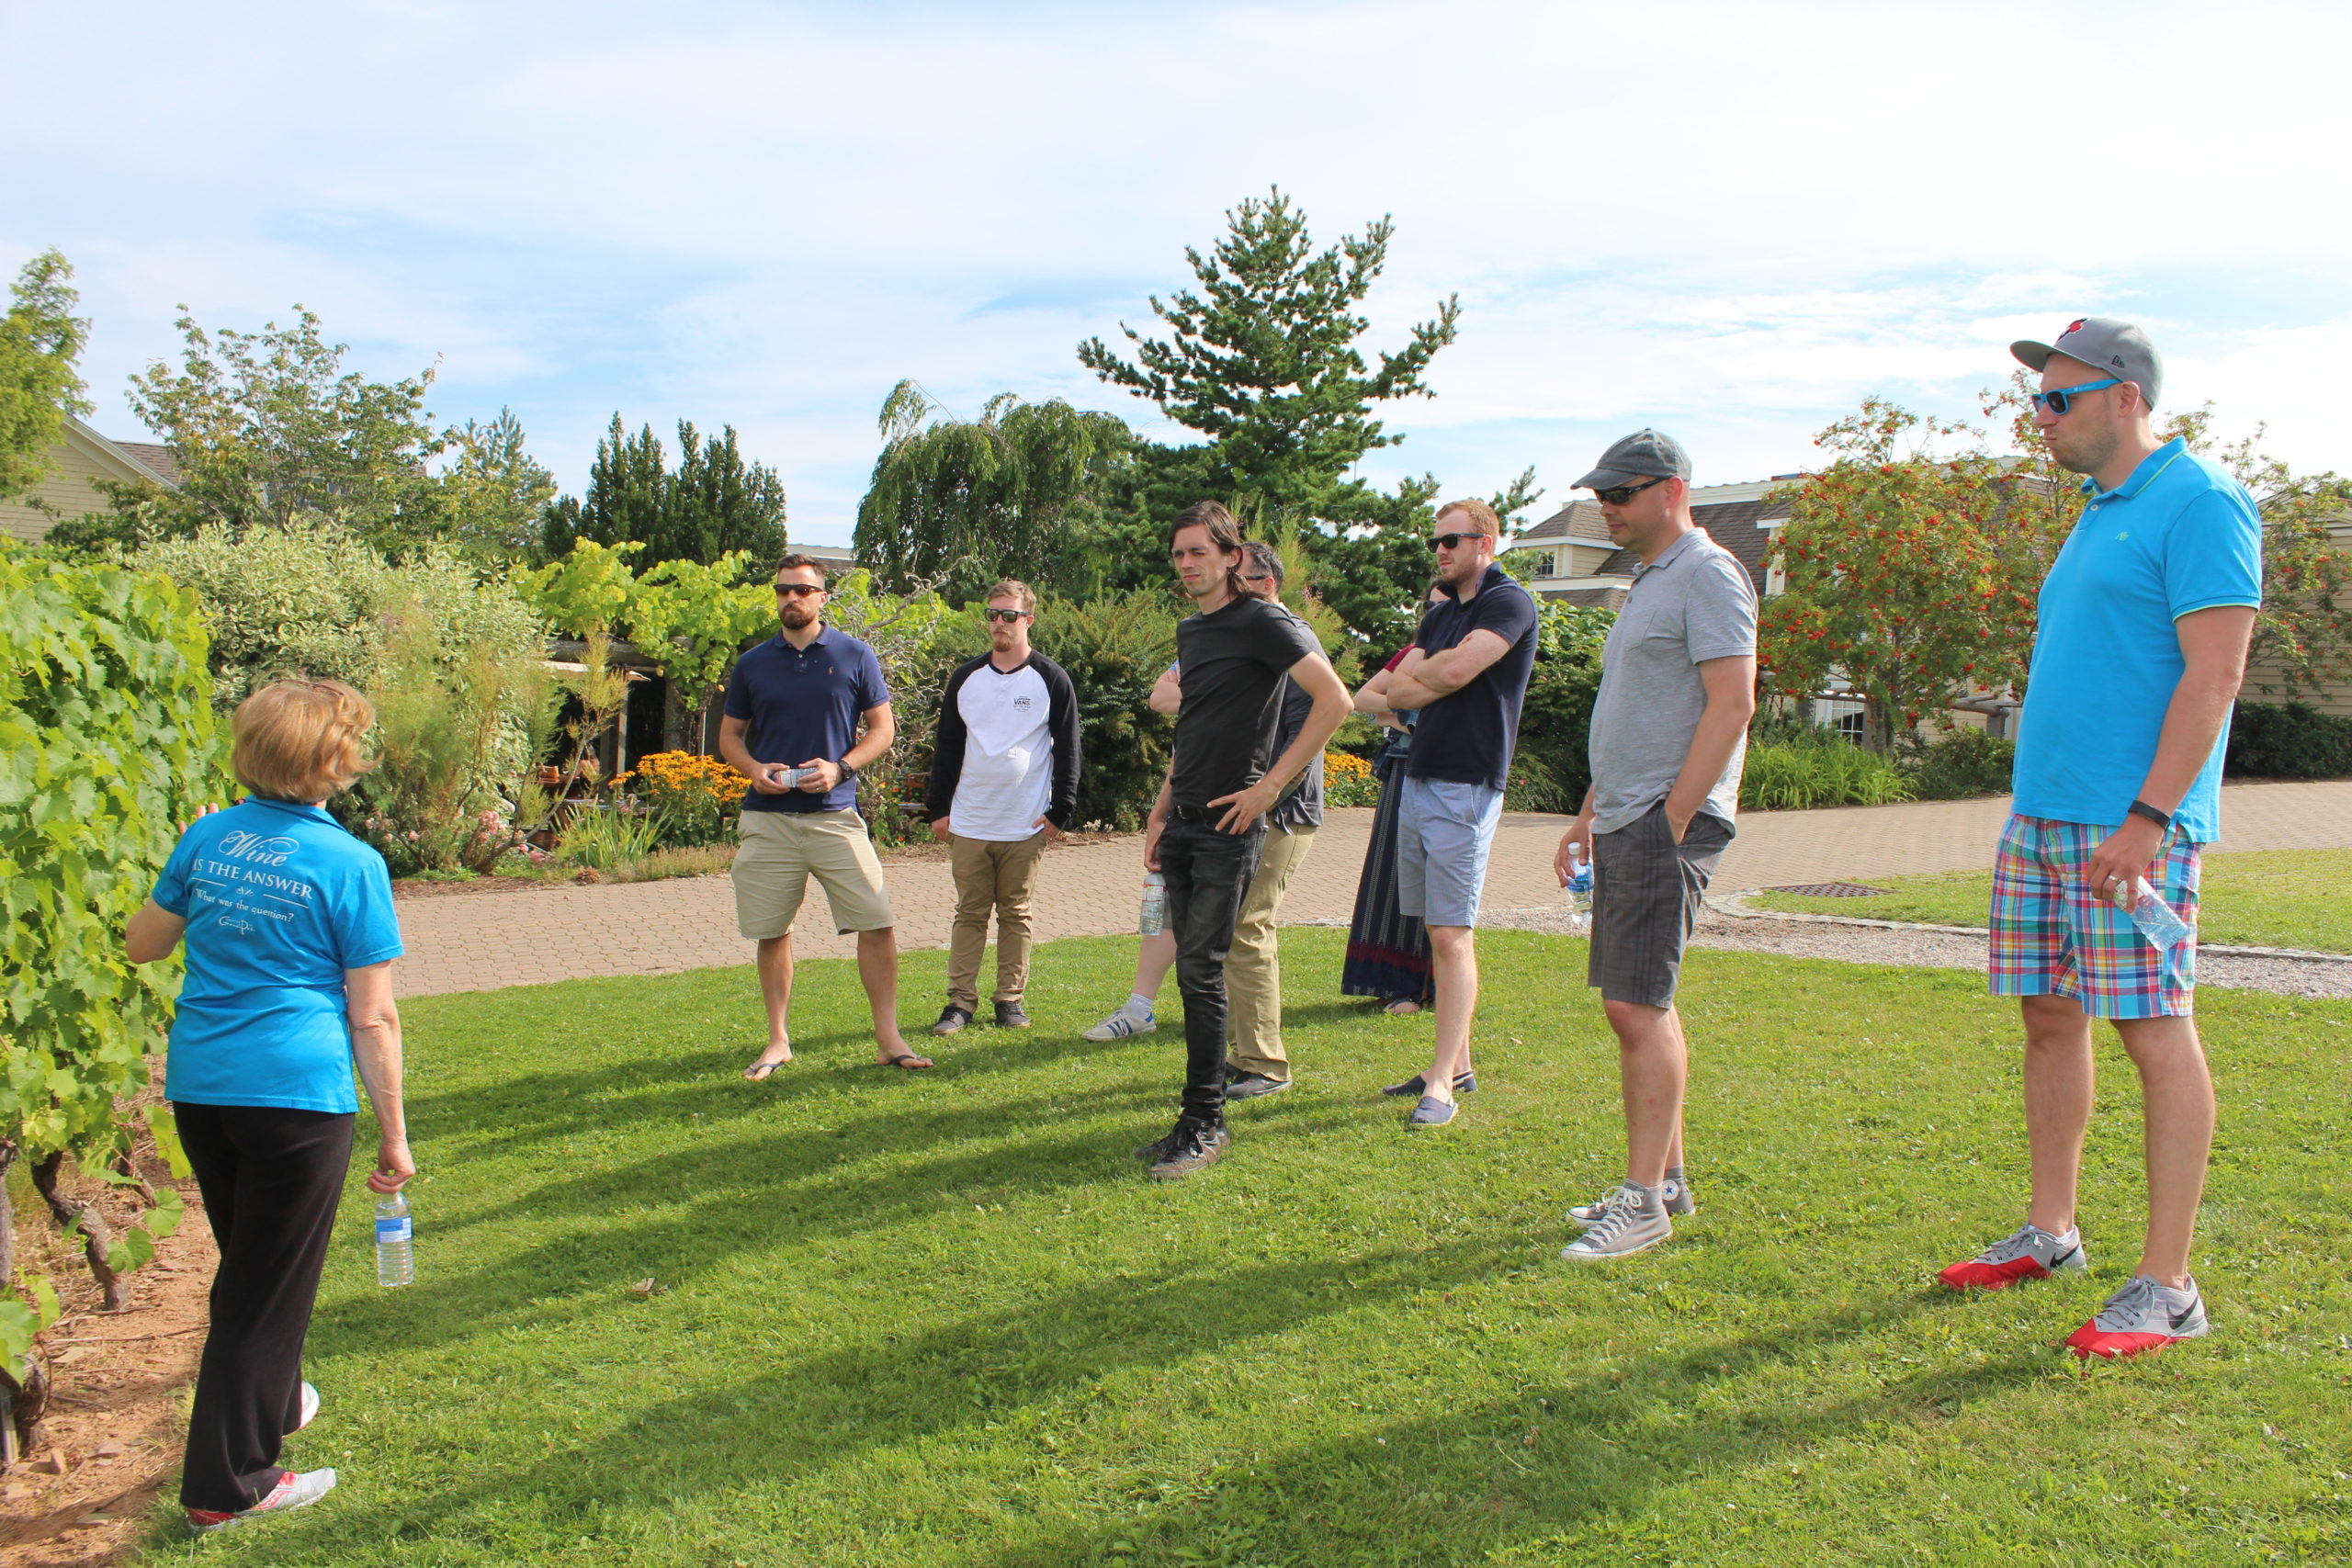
40,341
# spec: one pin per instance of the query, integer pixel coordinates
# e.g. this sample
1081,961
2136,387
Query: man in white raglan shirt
1003,779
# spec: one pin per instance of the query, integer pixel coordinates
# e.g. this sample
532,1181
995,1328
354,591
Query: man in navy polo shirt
793,707
2137,652
1467,676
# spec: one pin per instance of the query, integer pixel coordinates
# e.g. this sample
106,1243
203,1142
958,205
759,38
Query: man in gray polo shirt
1669,731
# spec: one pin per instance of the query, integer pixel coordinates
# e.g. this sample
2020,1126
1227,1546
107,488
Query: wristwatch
847,771
2141,808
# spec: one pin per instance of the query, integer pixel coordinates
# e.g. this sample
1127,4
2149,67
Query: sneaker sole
1571,1254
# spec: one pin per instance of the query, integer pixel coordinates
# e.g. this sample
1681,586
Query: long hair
1223,533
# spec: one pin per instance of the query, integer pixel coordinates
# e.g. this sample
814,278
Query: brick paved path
480,941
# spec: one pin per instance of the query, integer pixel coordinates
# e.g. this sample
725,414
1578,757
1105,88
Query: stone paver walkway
482,941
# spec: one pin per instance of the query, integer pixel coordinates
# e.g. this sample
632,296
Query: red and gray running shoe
292,1491
2146,1314
2028,1253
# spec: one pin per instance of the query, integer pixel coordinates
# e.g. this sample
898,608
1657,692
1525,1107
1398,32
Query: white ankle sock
1139,1004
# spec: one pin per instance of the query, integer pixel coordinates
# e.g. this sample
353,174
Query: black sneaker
951,1018
1250,1086
1463,1083
1010,1016
1190,1147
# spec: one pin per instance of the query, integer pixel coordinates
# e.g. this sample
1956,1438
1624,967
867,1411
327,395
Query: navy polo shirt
804,702
1467,736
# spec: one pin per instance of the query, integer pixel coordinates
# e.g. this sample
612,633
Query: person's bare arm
1415,684
2212,650
766,777
151,934
1315,676
1168,693
1371,699
1731,703
1157,823
881,732
376,1046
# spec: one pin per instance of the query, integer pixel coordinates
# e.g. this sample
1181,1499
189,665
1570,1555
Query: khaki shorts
781,851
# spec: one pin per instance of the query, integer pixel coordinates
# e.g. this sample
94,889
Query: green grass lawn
2265,898
942,1318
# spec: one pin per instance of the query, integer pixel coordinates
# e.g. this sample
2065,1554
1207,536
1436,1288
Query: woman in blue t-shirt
290,937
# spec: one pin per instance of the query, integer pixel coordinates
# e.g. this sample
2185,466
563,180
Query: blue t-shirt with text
279,901
2179,535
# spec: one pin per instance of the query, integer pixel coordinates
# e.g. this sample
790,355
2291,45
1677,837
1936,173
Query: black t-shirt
1467,736
1233,662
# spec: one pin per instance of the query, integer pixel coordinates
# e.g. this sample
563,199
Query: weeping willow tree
1017,492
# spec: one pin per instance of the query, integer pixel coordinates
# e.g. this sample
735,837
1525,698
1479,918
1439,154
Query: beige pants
779,852
991,877
1253,967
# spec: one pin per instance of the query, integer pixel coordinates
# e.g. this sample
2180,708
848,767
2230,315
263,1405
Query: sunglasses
2058,402
1617,495
798,590
1007,616
1452,541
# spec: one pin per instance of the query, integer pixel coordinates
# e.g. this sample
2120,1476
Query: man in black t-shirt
1208,825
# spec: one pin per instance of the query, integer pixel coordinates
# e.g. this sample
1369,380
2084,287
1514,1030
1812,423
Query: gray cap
2111,348
1645,455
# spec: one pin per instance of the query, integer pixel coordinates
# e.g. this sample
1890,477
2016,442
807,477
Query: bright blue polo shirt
2180,535
801,704
279,901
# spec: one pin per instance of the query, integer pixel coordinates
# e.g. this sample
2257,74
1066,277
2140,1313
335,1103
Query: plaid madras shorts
2052,938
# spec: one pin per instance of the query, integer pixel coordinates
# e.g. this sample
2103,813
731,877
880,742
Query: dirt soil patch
120,1387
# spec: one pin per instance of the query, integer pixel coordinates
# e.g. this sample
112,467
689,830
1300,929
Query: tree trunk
23,1404
94,1238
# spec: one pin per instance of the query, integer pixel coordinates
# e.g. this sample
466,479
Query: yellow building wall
68,489
2335,699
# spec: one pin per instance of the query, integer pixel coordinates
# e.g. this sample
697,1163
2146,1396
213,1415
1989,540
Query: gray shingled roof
1576,520
155,458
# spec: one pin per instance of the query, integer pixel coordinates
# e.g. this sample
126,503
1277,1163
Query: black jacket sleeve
947,746
1061,719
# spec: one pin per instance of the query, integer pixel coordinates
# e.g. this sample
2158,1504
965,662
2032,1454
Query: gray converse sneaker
2028,1252
2146,1314
1635,1222
1124,1020
1679,1203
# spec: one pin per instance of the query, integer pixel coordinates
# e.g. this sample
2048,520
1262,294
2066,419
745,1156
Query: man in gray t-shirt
1669,731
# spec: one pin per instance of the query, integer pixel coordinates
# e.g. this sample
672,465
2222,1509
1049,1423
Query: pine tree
713,504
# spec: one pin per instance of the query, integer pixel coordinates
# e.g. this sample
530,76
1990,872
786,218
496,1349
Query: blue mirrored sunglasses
2056,402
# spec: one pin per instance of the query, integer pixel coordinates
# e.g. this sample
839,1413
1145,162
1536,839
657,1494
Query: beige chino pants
1253,966
991,877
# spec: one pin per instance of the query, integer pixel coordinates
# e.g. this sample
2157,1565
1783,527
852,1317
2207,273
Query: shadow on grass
1560,1458
825,1411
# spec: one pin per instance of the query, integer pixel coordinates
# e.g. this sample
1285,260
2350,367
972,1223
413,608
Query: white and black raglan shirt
1007,749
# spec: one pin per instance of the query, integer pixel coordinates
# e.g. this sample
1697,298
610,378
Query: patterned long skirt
1389,951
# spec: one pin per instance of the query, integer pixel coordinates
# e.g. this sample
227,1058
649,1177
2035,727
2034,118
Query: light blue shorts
1443,832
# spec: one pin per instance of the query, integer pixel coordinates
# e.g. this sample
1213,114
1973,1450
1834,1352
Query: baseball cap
2116,348
1645,455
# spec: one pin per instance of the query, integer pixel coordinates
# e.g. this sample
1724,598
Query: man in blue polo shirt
2138,653
793,707
1467,676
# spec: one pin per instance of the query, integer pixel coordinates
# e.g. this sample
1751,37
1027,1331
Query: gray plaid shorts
1647,891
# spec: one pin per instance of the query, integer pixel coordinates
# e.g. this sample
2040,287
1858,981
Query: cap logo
2116,360
2073,327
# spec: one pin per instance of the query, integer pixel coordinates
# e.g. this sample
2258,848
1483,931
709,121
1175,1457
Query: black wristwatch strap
2141,808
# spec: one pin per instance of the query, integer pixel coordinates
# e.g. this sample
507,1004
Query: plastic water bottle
395,1252
1153,918
2157,920
1580,896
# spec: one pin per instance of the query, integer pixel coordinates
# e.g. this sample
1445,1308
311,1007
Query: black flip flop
760,1072
909,1062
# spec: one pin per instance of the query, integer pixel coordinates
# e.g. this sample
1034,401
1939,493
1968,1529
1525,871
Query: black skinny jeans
1208,872
271,1180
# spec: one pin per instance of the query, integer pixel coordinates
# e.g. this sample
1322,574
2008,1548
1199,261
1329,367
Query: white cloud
1740,218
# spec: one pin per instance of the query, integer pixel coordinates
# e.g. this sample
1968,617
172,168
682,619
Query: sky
1731,221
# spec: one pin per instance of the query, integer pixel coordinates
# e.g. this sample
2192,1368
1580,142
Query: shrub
1114,648
1801,773
693,800
2294,740
108,744
1556,722
1961,765
1348,780
1532,786
606,834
